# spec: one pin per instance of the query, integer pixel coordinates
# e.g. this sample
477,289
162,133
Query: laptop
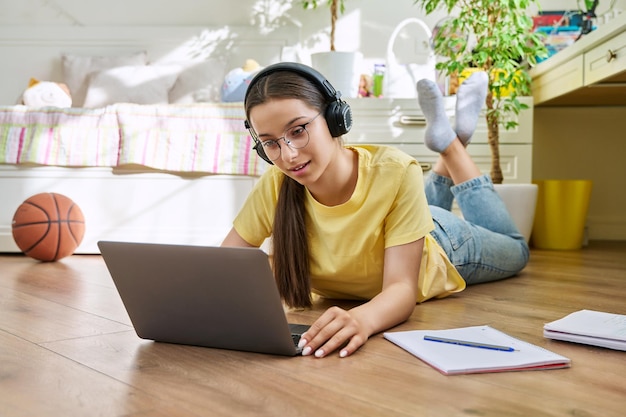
213,297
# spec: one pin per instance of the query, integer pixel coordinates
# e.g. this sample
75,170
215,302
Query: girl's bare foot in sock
470,98
439,134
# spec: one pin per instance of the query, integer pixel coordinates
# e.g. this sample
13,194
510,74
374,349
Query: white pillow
144,84
198,82
77,68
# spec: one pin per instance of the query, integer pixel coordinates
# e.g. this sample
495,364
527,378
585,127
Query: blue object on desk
468,343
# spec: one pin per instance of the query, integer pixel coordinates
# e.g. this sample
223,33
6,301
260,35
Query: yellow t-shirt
347,242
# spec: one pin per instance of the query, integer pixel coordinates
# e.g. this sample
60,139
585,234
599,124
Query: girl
354,222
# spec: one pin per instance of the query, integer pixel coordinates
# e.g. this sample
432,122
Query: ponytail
290,255
290,246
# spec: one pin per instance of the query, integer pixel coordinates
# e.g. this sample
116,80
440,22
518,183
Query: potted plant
504,47
337,7
341,68
494,36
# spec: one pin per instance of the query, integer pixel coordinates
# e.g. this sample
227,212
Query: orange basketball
48,226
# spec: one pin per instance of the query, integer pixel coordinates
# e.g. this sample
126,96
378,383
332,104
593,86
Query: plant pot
341,69
520,201
505,91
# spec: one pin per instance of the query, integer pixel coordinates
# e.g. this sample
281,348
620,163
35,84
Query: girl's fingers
334,329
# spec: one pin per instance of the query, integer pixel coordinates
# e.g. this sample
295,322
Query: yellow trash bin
561,213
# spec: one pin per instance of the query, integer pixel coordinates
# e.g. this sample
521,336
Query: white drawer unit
400,123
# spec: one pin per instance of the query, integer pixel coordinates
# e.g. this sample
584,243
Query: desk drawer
606,60
553,84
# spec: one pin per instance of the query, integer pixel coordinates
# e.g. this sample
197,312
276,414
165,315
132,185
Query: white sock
439,134
470,98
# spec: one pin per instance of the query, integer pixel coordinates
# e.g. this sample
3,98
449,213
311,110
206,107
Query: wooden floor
67,349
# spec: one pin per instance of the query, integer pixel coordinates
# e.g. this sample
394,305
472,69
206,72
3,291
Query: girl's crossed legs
484,245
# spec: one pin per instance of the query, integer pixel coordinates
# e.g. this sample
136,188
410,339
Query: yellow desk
580,119
590,72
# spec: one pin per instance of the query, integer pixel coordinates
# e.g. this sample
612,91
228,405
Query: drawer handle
426,166
610,56
413,120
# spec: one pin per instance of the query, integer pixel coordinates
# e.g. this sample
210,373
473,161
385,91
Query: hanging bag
410,58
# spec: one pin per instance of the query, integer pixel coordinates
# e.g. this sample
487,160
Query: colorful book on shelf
590,327
477,349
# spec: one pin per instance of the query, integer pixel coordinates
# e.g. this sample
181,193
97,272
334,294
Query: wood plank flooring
67,348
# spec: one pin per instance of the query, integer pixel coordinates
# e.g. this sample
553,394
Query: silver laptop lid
205,296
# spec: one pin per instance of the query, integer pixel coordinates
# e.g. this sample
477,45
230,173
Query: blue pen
469,344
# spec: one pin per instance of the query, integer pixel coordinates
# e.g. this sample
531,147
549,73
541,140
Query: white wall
366,25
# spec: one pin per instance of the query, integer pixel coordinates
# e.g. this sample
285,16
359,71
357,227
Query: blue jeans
484,245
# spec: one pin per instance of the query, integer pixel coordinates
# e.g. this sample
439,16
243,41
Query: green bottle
378,79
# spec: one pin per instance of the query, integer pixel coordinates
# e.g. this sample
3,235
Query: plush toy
46,94
237,80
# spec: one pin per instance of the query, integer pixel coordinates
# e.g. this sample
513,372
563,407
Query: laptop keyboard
296,331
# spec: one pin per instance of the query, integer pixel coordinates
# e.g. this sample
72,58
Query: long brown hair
290,244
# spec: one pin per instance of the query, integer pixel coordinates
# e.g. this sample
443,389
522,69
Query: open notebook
452,359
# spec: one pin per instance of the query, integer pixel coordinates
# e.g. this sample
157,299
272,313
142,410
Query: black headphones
338,114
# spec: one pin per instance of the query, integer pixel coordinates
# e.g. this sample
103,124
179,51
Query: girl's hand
336,328
349,330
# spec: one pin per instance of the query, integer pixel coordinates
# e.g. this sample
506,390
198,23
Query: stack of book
590,327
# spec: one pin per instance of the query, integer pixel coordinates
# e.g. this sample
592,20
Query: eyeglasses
296,137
